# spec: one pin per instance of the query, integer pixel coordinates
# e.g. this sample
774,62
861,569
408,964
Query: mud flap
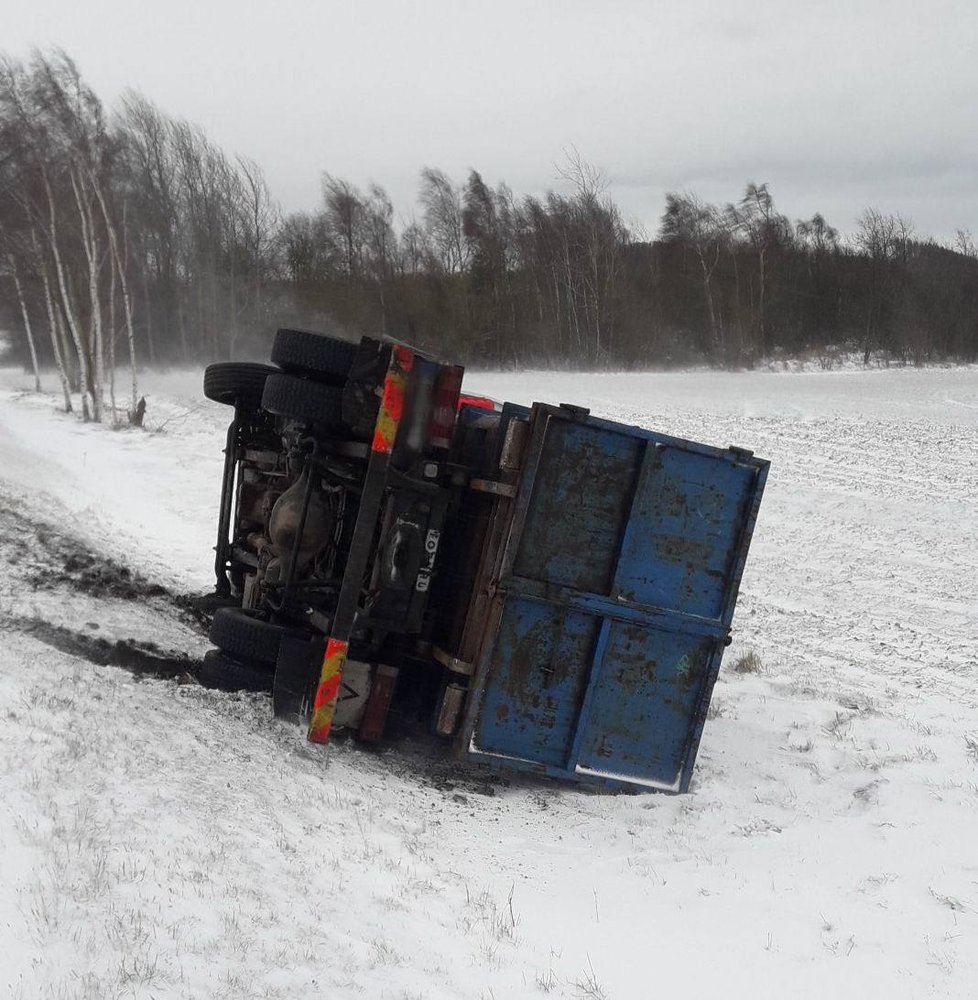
296,677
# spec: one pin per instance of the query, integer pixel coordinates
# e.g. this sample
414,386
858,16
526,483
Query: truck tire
314,354
303,400
221,672
236,383
244,635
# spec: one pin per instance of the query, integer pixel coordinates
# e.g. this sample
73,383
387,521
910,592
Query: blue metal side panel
614,595
639,721
539,666
582,492
683,532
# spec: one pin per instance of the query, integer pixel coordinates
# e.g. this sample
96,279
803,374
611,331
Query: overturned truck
543,588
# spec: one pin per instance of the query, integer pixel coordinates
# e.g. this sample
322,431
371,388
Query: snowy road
160,840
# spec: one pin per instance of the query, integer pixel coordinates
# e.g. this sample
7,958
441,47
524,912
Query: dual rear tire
314,370
315,367
247,650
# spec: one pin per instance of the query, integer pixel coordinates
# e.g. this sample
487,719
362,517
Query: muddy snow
162,840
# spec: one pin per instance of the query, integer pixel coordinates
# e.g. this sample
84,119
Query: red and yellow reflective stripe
392,404
385,431
329,687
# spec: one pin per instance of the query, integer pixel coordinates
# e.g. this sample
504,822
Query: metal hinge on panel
453,663
492,486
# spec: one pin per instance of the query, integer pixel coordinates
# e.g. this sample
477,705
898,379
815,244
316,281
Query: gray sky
837,105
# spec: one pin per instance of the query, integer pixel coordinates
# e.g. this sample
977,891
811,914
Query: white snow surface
162,840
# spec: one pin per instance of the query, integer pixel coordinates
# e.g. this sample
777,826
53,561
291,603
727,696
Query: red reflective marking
319,734
335,647
394,397
441,423
404,357
327,691
479,402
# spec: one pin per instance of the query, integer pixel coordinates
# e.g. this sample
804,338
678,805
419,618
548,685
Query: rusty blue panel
583,485
540,664
614,597
683,532
639,721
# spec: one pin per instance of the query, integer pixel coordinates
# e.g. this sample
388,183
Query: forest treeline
129,238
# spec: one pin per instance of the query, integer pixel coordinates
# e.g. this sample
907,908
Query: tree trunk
70,358
27,324
97,347
54,329
708,294
148,317
67,309
126,297
761,304
112,342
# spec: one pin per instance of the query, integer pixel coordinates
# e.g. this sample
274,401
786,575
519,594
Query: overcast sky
836,105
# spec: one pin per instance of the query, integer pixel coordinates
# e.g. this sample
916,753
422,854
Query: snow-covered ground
161,840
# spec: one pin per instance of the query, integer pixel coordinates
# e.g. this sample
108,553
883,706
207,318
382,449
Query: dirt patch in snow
58,590
49,558
44,558
92,574
139,658
430,761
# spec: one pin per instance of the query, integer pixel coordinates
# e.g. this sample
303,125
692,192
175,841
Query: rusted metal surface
451,709
514,443
582,492
492,486
453,663
611,602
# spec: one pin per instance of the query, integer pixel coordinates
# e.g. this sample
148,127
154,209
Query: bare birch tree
25,315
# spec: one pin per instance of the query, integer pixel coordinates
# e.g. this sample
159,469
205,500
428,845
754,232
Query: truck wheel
246,636
314,354
221,672
236,382
303,400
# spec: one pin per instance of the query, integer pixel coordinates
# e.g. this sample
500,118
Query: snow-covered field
161,840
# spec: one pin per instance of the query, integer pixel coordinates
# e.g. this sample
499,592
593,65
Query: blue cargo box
605,598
